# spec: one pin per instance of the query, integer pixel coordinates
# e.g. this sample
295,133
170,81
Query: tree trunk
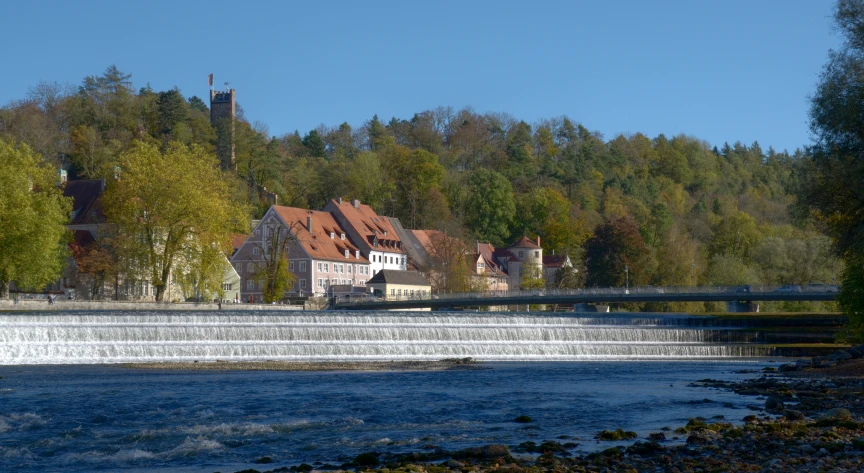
4,289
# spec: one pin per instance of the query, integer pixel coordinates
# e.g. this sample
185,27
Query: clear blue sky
720,71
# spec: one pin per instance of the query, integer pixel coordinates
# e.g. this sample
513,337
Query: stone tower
222,107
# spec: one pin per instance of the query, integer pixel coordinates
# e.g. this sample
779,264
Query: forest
674,210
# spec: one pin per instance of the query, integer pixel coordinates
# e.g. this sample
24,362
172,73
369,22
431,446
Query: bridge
740,295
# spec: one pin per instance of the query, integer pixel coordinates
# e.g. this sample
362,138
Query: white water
116,337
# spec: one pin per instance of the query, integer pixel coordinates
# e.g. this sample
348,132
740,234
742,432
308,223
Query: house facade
393,285
320,253
374,235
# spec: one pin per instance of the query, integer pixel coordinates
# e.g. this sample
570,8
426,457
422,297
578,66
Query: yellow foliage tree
172,209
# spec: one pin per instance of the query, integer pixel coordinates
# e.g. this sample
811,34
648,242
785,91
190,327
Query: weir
118,337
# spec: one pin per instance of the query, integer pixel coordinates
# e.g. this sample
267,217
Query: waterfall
118,337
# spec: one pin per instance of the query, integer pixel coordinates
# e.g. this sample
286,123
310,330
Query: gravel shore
812,422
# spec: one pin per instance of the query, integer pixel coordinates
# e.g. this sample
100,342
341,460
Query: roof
525,242
392,276
554,261
318,243
369,225
86,197
237,241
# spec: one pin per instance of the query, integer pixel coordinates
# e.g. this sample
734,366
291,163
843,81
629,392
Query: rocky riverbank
805,425
432,365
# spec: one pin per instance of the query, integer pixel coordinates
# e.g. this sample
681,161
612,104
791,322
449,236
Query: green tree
272,268
490,206
169,209
33,214
835,172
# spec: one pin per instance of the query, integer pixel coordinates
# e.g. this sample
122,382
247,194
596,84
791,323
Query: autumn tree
170,209
616,249
33,214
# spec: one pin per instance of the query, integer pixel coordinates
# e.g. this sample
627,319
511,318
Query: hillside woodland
674,210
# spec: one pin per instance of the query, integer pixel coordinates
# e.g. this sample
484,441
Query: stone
793,414
657,436
486,451
453,464
840,355
773,404
804,363
696,439
838,413
787,367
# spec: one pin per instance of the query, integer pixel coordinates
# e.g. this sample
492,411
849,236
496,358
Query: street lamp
693,272
626,279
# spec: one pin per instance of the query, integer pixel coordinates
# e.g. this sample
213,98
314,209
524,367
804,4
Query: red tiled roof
554,261
237,241
318,243
525,242
369,225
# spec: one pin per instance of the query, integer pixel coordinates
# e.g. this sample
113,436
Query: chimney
356,203
309,223
339,200
538,240
102,184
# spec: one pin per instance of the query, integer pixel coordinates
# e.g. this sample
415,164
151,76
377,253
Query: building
321,253
554,263
374,235
395,285
223,107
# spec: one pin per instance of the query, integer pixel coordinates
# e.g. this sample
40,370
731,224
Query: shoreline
812,420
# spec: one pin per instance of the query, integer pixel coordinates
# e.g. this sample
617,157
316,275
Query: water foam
116,337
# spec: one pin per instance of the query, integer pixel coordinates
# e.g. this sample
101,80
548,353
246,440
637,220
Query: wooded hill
675,210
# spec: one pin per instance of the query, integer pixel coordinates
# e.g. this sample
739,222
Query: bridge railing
743,290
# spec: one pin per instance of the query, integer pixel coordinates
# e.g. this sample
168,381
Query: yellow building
394,285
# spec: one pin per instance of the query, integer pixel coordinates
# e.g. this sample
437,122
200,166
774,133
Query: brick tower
222,113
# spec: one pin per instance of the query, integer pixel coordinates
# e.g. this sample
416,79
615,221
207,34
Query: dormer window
342,236
332,235
347,253
357,254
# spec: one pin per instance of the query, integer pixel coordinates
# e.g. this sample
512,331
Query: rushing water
72,418
115,337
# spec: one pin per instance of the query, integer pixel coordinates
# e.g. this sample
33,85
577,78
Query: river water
66,406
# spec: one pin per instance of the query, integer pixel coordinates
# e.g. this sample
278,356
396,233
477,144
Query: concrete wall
61,305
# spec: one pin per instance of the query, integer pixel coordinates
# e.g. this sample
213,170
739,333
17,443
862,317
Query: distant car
789,288
745,289
821,287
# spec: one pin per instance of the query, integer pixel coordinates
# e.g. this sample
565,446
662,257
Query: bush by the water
616,434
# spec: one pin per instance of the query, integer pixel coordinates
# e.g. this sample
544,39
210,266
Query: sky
722,71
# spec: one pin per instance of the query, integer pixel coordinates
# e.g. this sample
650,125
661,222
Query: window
393,292
347,254
326,267
303,266
344,281
319,267
249,267
536,254
362,282
291,266
412,292
334,282
343,237
257,231
250,284
320,282
341,268
521,254
332,235
403,261
349,269
302,283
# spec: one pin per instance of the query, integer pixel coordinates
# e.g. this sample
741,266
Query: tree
272,268
490,206
835,171
169,209
616,250
33,214
97,261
